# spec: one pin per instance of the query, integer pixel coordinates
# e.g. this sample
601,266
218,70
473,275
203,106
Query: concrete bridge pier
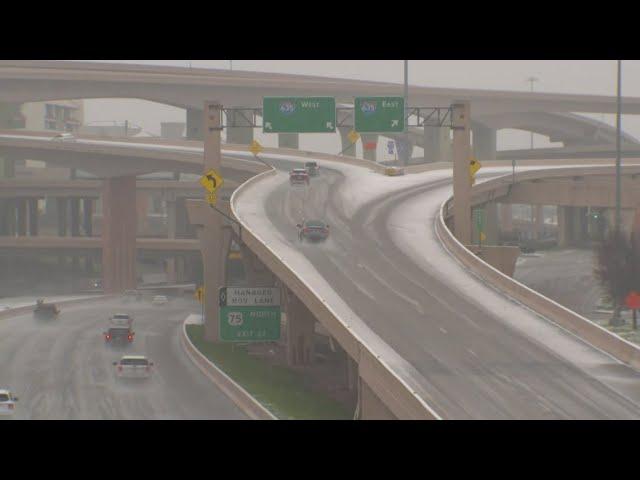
75,216
538,232
119,228
368,138
300,330
436,144
61,211
7,217
289,140
194,124
21,217
87,216
484,142
506,218
33,216
239,135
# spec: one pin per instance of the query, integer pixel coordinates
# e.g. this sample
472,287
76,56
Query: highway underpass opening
287,393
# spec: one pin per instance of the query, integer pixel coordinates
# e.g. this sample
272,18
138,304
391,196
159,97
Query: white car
7,403
133,366
159,300
64,137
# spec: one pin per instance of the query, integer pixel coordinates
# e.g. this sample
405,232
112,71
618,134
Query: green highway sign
379,114
249,314
298,115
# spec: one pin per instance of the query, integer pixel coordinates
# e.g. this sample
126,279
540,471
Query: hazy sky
596,77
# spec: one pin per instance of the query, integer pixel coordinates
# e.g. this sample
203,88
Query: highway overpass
548,114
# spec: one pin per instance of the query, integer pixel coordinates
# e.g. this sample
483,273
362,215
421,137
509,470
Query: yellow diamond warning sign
353,136
211,181
255,147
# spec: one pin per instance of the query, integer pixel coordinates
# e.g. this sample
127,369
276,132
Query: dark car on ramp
313,231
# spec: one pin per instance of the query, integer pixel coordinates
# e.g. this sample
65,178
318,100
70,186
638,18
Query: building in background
58,115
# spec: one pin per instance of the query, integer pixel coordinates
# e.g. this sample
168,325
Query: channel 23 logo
368,108
287,108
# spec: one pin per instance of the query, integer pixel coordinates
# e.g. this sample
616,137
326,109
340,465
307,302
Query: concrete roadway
63,369
474,365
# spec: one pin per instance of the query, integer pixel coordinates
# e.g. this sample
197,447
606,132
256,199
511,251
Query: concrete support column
461,179
370,407
143,199
300,331
170,269
171,218
21,216
368,138
436,144
75,217
33,217
119,234
239,135
538,232
10,216
289,140
61,204
88,264
194,124
506,217
491,227
211,234
258,275
87,214
7,167
346,147
3,217
484,142
351,372
564,233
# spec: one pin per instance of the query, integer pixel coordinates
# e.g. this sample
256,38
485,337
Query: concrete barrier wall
393,390
582,327
231,389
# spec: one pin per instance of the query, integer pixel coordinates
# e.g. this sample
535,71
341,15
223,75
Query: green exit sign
298,115
249,314
379,114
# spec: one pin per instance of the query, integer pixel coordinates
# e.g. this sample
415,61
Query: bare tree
617,268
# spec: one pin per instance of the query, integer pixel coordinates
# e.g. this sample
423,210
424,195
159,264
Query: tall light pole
531,80
406,153
618,152
616,319
231,65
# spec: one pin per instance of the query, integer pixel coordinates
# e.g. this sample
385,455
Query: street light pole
531,80
618,152
616,319
406,154
231,65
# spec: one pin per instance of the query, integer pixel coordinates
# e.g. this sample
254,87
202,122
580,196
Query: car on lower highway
7,402
133,366
298,176
313,230
119,335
